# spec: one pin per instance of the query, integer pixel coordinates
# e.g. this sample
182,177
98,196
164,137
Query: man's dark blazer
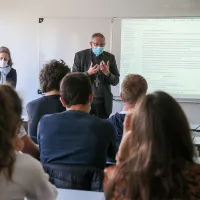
82,62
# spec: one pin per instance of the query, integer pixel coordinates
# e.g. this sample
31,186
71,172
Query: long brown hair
6,50
159,145
9,120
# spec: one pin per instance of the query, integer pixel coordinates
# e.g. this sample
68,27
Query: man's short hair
133,87
75,89
52,74
97,35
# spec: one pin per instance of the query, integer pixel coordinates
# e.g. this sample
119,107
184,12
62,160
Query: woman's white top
28,180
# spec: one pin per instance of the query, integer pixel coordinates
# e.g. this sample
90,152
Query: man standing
101,67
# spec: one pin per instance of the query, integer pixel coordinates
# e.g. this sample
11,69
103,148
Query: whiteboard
61,38
129,47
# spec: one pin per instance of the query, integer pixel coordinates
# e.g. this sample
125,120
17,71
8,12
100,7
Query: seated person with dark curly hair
50,78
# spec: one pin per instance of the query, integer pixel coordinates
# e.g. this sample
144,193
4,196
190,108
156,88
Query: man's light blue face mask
98,50
97,45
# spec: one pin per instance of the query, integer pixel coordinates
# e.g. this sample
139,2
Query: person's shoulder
13,70
28,172
114,116
106,53
26,164
35,102
105,124
83,52
48,118
117,117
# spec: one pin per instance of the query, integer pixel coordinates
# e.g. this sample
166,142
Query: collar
124,112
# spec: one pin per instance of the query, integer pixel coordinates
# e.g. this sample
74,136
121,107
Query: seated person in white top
20,175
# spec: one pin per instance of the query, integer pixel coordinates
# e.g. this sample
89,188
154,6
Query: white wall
19,29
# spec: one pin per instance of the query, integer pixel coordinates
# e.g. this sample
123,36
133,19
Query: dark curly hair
52,74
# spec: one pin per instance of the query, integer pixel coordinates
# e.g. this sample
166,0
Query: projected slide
165,51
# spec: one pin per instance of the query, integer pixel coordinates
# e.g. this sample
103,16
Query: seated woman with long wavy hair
156,157
20,175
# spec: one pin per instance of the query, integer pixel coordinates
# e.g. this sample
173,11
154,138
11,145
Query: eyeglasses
99,45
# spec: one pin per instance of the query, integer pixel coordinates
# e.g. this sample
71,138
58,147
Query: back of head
6,50
75,89
133,87
10,111
159,145
100,35
52,74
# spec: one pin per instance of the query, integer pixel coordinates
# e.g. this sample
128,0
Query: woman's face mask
3,63
4,57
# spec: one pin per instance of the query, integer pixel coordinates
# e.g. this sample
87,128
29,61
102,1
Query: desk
196,135
193,127
64,194
198,129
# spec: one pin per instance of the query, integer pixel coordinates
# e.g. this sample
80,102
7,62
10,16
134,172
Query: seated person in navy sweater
132,89
75,136
50,79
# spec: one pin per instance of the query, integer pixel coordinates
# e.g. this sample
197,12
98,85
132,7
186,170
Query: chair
75,177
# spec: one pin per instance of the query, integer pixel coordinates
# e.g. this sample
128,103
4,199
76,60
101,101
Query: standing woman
7,73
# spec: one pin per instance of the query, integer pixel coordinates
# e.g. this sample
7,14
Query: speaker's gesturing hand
93,69
105,68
